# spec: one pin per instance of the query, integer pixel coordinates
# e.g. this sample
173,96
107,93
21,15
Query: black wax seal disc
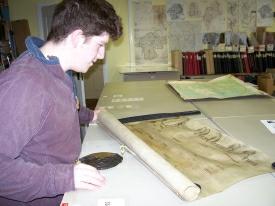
102,160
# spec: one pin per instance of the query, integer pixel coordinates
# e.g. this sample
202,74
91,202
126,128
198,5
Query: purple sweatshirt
39,130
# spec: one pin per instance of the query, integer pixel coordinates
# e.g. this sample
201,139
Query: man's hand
87,177
96,112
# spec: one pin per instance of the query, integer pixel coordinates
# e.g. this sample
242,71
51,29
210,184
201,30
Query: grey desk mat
236,106
250,130
127,99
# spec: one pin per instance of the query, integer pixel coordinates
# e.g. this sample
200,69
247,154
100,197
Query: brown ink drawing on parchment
209,158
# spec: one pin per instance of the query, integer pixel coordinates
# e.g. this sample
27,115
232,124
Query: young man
39,123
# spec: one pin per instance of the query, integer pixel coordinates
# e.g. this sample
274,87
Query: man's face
89,52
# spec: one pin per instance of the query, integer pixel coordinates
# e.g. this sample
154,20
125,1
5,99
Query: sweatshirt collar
33,44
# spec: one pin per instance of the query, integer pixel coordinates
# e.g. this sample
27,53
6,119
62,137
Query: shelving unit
7,44
209,64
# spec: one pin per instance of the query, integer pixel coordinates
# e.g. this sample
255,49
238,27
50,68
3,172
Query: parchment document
184,151
175,179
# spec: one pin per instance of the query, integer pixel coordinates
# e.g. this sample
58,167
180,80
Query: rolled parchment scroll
175,180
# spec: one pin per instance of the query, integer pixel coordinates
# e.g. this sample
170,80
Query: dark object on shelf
273,165
251,79
102,160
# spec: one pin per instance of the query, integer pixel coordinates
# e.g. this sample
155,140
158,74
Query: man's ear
76,38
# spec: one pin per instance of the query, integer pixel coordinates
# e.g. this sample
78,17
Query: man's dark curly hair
93,17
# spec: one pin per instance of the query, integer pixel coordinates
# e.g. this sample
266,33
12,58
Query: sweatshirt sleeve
24,110
25,181
85,115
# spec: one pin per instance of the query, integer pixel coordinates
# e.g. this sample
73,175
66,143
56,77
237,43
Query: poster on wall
150,33
264,13
194,9
247,15
213,17
175,10
143,15
232,10
150,47
159,26
185,36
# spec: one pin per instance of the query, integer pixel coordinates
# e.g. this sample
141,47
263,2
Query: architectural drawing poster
164,25
232,10
185,36
150,34
264,13
247,15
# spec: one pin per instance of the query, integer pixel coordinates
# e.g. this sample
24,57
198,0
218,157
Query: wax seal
102,160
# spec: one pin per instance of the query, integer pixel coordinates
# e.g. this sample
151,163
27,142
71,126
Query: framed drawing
148,33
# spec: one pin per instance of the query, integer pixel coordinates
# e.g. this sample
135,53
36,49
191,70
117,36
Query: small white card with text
111,202
270,125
